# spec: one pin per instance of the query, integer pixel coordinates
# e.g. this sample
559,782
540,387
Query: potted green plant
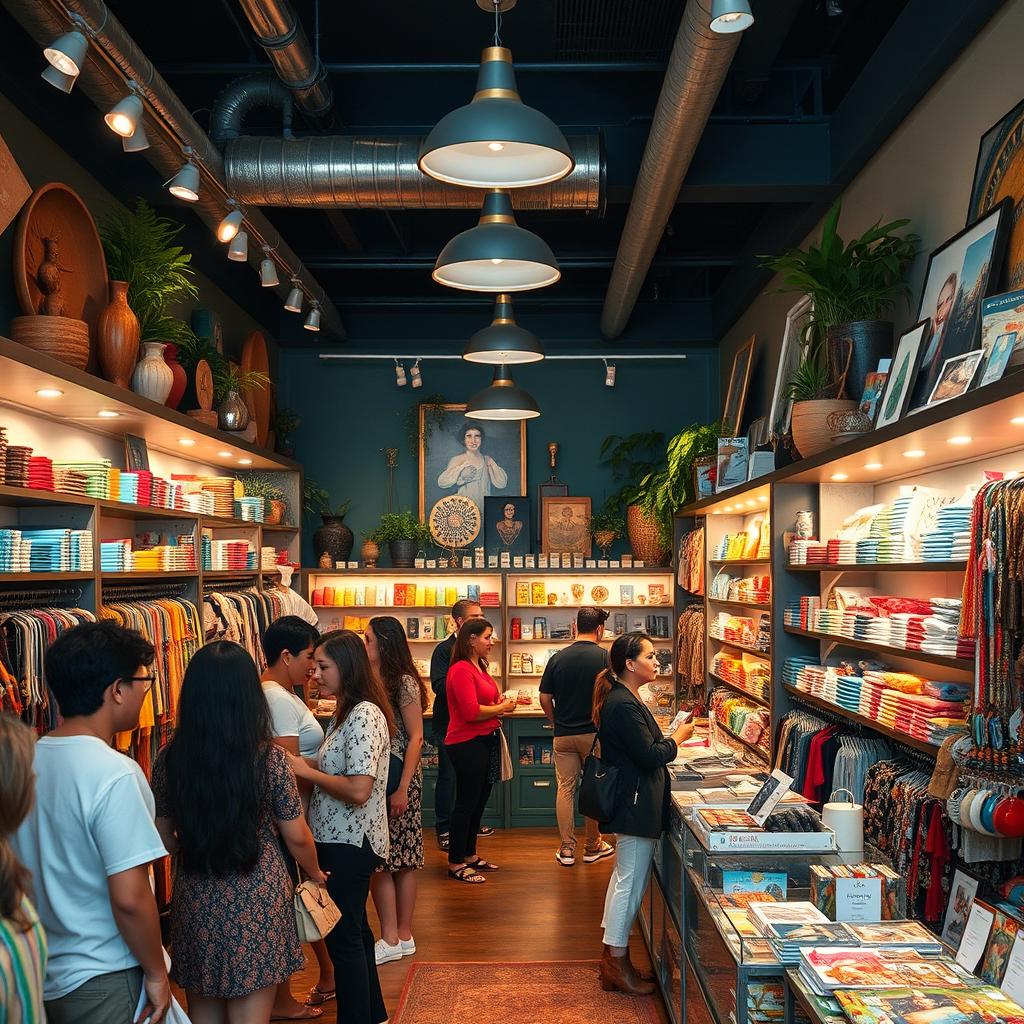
229,385
606,527
150,277
813,391
853,286
333,540
275,504
631,459
404,534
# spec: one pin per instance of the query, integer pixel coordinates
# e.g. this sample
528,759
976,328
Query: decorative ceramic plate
256,359
599,594
454,521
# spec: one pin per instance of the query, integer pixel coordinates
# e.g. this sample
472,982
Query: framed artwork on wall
507,525
459,455
136,453
961,274
565,526
789,359
1003,314
739,380
956,376
893,403
999,175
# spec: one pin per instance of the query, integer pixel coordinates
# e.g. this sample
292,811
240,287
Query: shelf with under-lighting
763,701
748,648
881,567
964,664
751,605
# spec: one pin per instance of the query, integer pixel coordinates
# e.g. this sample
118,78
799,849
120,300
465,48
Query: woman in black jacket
631,741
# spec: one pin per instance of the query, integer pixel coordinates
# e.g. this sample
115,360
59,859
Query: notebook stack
898,935
127,488
230,555
96,472
249,509
40,473
116,555
860,967
200,502
223,490
17,465
789,939
15,553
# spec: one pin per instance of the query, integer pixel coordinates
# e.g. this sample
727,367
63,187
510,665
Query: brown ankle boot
642,975
618,975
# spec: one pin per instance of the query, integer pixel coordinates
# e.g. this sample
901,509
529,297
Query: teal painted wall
352,410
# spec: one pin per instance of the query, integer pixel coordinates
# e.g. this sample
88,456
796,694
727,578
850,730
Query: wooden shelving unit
962,664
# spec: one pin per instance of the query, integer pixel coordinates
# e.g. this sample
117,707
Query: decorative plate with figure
454,521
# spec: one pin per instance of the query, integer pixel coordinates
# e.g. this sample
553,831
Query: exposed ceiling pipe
694,77
282,36
235,100
382,173
114,58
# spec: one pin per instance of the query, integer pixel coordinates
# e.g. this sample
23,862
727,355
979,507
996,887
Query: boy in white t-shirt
90,838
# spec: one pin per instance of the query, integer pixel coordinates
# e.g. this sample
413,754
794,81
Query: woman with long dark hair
476,707
393,885
631,741
349,811
222,788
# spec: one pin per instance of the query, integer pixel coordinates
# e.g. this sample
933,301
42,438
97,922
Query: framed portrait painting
565,526
507,525
459,455
739,380
961,274
789,359
893,403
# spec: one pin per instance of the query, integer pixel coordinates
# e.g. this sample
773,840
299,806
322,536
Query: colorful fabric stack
179,557
750,674
249,509
230,555
128,488
748,721
95,471
40,473
745,590
950,540
17,465
116,555
748,631
200,502
223,490
67,481
15,552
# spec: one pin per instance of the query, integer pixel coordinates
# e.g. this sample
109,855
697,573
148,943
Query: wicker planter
644,539
57,336
811,433
274,512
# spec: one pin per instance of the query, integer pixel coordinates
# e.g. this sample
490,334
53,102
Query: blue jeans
444,792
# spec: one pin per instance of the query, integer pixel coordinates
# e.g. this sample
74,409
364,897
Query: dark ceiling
814,89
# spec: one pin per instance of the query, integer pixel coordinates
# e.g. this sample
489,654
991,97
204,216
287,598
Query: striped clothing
22,967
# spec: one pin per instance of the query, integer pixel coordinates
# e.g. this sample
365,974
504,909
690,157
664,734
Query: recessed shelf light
716,512
763,499
960,439
1018,421
187,441
224,455
915,453
245,462
872,465
49,393
840,476
728,508
108,414
751,503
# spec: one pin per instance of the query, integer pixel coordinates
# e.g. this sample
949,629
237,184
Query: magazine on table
929,1006
798,912
826,970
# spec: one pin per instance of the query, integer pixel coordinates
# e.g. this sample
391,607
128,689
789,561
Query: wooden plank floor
532,909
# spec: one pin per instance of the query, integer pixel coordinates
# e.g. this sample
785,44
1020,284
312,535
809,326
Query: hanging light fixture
66,54
294,301
313,317
268,272
400,378
731,16
238,250
185,184
502,400
58,79
137,141
497,255
414,373
125,115
496,141
504,341
231,224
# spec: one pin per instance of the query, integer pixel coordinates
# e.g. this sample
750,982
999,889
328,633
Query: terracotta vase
643,537
117,336
370,552
153,378
275,512
180,377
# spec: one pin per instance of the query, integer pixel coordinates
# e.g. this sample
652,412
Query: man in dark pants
440,662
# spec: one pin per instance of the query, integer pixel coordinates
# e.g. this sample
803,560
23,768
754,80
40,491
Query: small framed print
898,384
136,454
956,376
732,463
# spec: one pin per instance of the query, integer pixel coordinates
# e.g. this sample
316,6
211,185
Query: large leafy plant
629,459
400,526
229,377
139,247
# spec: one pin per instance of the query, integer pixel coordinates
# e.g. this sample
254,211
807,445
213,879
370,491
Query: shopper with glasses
90,837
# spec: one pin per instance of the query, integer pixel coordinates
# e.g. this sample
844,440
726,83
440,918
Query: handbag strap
593,746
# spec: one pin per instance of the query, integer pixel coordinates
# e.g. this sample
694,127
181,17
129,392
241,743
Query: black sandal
466,874
481,865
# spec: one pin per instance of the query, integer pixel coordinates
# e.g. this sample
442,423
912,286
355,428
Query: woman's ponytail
602,687
16,741
623,649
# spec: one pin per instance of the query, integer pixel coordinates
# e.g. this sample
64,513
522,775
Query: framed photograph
704,474
732,463
136,454
459,455
565,526
999,175
998,358
874,385
507,525
956,377
961,896
893,403
789,359
961,273
739,379
1004,314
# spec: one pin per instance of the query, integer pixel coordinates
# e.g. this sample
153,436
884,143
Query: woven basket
643,537
59,337
811,433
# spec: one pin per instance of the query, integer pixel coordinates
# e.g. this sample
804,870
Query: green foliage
433,419
259,485
663,492
228,377
400,526
812,379
606,519
286,422
139,249
630,459
317,502
859,280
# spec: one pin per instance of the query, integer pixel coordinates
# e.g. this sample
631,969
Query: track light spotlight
268,272
313,317
137,141
185,184
238,250
124,116
417,380
730,16
66,54
609,374
400,378
294,301
231,224
58,79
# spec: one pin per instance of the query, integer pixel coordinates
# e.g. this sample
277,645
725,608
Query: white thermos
846,820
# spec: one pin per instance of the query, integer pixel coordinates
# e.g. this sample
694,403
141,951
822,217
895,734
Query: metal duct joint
235,101
694,77
382,173
287,47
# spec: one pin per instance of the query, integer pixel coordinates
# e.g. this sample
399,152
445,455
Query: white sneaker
408,946
604,850
384,954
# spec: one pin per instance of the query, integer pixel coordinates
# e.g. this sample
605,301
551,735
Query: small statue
48,278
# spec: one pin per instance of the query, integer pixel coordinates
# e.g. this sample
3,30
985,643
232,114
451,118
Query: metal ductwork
284,40
103,81
694,77
382,173
235,101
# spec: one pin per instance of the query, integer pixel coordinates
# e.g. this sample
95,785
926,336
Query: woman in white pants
631,741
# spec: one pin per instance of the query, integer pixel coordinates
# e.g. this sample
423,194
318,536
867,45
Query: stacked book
828,969
95,471
249,509
116,555
230,555
200,502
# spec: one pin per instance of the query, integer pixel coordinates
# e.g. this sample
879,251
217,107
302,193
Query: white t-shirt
289,716
92,818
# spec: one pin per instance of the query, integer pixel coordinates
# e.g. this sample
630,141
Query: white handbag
315,912
506,758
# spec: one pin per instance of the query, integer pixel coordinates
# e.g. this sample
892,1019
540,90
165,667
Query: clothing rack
142,591
42,595
245,580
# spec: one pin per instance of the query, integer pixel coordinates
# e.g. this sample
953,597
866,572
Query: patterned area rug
563,992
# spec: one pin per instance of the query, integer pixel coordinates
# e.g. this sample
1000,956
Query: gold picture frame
739,381
561,533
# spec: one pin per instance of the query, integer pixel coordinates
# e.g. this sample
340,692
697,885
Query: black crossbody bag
598,788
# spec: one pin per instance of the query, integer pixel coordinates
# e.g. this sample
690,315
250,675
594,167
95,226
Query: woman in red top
472,741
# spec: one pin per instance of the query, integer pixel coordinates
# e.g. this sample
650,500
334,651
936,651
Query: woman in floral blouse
349,811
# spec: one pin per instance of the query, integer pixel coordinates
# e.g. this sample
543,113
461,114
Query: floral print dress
407,828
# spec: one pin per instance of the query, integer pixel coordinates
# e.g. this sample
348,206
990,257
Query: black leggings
471,761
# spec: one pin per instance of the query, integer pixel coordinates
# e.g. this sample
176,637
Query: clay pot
59,337
403,553
370,552
643,537
117,336
153,378
233,413
334,538
811,433
274,512
180,377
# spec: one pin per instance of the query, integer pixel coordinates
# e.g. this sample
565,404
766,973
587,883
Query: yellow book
349,598
353,622
451,595
522,592
540,592
430,596
418,595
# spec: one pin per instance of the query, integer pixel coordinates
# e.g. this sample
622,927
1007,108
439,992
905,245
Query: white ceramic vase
153,378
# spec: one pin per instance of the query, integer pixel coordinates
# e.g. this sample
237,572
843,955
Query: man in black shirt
440,662
567,696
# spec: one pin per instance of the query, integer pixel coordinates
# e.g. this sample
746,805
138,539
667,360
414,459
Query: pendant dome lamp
502,400
497,255
503,341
